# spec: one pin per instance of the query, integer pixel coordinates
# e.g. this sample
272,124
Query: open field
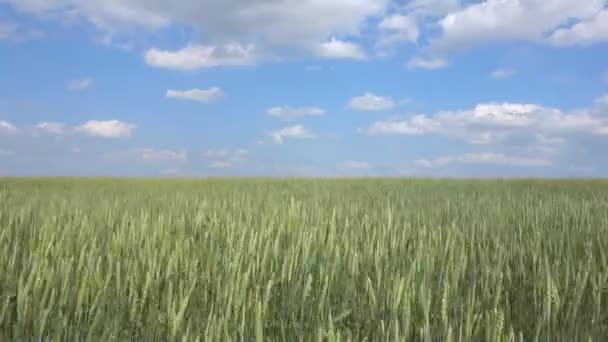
289,260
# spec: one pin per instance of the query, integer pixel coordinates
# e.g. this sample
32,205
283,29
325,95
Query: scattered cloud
195,57
80,84
429,63
339,49
496,20
483,158
153,154
7,128
57,128
418,124
523,127
199,95
371,102
397,28
355,165
586,32
292,132
290,113
225,158
106,129
290,25
501,74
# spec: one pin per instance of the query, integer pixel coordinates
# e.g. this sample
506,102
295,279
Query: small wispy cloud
430,63
80,84
291,113
293,132
501,74
199,95
370,102
106,129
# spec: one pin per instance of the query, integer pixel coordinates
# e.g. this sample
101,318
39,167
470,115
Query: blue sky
501,88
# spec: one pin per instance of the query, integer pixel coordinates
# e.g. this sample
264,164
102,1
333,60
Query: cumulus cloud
508,20
586,32
371,102
483,158
57,128
339,49
153,154
355,165
194,57
290,113
292,132
199,95
272,26
80,84
501,74
7,128
225,158
106,129
428,63
526,126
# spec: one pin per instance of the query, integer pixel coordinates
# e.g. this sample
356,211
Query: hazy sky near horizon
464,88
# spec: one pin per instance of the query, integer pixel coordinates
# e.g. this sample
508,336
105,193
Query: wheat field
303,260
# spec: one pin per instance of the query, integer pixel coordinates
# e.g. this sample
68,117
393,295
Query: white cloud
433,8
225,158
526,126
106,129
496,20
339,49
371,102
397,28
291,113
7,128
501,74
271,26
199,95
194,57
419,124
80,84
293,132
355,165
152,154
429,63
57,128
483,158
586,32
